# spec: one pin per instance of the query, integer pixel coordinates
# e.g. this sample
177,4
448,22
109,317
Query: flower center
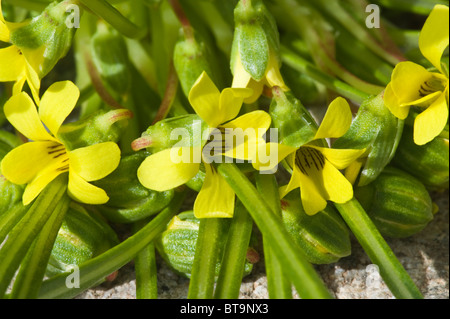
217,143
308,160
58,152
434,84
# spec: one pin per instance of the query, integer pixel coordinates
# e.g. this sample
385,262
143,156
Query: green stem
300,64
234,257
146,272
95,270
10,218
278,284
302,273
107,12
24,233
206,256
391,270
32,270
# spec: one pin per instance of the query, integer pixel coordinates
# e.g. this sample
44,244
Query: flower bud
323,237
100,126
182,131
294,123
177,243
82,236
378,131
47,38
110,58
255,59
429,163
191,59
129,201
398,204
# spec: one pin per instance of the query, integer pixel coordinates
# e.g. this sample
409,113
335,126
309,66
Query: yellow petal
161,171
431,121
244,134
34,188
407,79
433,38
313,199
270,155
352,171
337,187
340,158
82,191
230,103
392,103
22,114
294,181
205,98
4,31
337,120
57,103
23,163
34,82
95,161
273,75
12,64
216,198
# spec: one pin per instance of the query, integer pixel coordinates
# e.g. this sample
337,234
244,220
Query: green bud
100,126
110,57
377,130
129,201
294,123
255,38
191,59
398,203
429,163
323,237
180,131
177,243
82,236
47,38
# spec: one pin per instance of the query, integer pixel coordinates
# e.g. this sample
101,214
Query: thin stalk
278,284
146,271
234,257
206,256
32,270
95,270
107,12
27,229
302,65
303,275
379,252
10,218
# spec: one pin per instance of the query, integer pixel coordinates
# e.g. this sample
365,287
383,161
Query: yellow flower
413,85
41,160
15,66
315,169
272,77
218,109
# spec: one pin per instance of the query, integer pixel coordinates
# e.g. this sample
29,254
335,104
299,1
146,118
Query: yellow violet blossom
316,169
272,77
14,65
218,109
413,85
38,162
